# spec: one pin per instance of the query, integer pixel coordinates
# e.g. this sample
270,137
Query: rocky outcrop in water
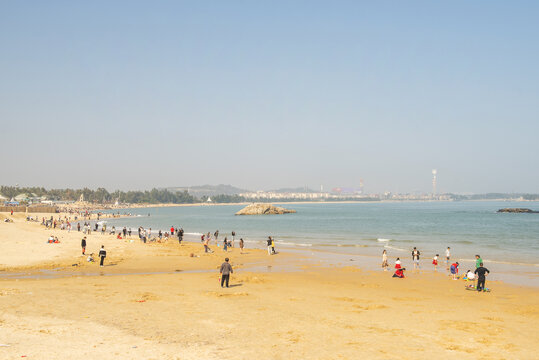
518,210
264,209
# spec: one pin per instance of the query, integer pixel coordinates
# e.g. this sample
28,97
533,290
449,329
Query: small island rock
517,210
263,209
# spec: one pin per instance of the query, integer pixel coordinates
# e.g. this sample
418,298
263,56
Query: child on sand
241,245
454,270
435,262
399,270
470,276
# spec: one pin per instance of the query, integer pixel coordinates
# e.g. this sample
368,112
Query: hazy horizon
133,95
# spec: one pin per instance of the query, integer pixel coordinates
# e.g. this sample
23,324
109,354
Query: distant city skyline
137,95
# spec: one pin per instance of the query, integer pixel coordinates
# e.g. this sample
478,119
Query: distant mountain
208,190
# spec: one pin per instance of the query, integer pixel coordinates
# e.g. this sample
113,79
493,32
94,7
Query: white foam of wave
395,248
292,244
383,240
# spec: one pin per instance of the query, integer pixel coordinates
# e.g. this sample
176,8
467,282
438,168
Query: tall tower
434,172
361,186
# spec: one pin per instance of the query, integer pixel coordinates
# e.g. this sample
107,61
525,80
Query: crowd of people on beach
227,243
145,235
478,275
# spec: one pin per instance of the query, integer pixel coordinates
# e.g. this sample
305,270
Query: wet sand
161,303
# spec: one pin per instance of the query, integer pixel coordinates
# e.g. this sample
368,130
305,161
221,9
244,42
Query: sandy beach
163,301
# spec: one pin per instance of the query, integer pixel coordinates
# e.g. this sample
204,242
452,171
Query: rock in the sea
263,209
518,210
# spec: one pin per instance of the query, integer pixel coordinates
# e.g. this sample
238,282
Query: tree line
102,196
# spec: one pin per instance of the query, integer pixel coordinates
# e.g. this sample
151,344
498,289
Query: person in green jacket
478,261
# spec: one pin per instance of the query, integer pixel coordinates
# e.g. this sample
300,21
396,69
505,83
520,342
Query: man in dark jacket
226,270
481,277
83,245
102,255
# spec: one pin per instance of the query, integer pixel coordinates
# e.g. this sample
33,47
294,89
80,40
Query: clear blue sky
262,95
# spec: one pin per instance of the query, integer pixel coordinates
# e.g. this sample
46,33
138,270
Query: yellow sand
318,313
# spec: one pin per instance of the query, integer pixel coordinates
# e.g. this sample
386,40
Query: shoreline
157,301
512,273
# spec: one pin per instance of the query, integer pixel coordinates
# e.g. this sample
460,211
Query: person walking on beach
225,244
216,235
225,271
385,265
83,245
415,257
102,255
129,232
180,235
435,262
124,230
241,246
233,238
206,243
481,277
172,230
273,246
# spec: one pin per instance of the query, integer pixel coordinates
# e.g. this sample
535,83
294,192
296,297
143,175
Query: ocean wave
292,243
486,261
464,242
383,240
395,248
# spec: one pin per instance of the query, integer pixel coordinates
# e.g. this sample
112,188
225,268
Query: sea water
467,227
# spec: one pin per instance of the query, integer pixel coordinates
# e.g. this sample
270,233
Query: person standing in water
447,257
233,238
385,265
102,255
